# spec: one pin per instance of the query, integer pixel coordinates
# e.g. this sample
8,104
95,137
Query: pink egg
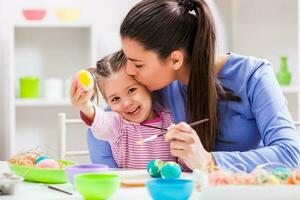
47,163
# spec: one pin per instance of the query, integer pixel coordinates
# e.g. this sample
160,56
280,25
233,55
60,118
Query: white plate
136,178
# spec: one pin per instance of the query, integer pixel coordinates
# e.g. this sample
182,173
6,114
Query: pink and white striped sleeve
107,125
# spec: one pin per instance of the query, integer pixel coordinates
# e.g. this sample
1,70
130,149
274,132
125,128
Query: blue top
259,129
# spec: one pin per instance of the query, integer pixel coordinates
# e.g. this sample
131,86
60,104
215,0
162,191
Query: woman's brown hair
167,25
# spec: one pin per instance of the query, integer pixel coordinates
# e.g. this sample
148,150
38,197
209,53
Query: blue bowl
174,189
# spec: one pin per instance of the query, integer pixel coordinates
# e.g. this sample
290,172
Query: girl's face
146,67
127,97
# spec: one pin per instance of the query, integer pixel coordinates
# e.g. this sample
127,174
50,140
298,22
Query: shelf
33,24
290,89
41,102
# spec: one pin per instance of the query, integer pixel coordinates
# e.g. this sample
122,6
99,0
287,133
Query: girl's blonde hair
107,66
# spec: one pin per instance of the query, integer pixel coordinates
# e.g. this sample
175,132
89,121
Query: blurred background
43,43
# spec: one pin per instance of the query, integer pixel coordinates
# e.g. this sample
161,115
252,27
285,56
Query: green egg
170,170
154,167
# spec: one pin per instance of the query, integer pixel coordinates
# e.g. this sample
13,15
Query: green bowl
97,186
42,175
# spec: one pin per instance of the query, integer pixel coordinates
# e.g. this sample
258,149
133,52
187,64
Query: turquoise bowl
175,189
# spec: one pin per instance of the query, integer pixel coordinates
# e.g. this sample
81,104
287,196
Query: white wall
110,16
2,139
4,86
222,10
275,25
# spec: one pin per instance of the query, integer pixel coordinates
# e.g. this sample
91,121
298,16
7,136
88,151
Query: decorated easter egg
154,167
281,172
294,178
219,177
30,159
267,179
85,79
47,163
40,158
170,170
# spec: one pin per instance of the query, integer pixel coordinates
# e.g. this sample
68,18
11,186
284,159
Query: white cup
68,83
54,88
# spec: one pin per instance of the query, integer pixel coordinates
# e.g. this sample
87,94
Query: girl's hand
186,145
81,99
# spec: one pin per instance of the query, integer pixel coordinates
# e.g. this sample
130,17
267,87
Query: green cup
29,87
97,186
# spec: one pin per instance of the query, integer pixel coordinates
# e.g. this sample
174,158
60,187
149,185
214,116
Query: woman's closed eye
138,65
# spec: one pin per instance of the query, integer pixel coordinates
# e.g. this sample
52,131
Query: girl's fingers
77,95
74,93
73,88
85,96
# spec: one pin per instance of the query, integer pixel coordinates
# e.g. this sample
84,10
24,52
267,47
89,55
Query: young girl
131,105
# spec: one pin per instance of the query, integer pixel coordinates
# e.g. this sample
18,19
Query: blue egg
154,166
40,158
170,170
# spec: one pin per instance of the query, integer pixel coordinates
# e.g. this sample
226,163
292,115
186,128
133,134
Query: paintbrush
59,190
161,134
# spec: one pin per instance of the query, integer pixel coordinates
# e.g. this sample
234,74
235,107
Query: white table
38,191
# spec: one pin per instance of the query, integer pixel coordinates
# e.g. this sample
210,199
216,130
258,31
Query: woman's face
146,67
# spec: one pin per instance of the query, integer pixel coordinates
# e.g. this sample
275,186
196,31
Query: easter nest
23,164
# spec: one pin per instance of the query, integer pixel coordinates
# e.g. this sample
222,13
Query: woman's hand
81,99
186,145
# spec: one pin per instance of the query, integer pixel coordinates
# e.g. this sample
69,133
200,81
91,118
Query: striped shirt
123,136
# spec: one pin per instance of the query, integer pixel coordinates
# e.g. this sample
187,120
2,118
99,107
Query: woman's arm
278,134
276,128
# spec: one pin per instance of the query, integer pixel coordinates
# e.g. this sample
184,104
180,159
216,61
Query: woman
170,46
